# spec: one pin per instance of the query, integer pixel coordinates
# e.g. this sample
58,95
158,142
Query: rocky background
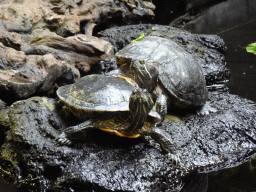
45,44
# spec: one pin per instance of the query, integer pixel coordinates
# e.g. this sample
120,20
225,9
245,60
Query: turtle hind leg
73,132
164,139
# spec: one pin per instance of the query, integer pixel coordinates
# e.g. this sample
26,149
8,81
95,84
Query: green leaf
139,38
251,48
200,52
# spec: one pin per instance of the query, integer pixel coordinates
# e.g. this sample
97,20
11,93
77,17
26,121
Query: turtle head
140,105
144,73
140,102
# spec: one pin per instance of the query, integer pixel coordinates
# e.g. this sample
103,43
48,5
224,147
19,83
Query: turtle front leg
74,132
161,107
164,139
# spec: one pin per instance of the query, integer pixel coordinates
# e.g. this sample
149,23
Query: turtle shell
97,94
180,73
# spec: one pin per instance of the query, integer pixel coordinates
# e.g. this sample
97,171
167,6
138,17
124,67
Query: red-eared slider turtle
162,66
113,105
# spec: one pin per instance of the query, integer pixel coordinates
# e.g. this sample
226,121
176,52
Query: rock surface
66,17
111,163
22,75
102,161
81,51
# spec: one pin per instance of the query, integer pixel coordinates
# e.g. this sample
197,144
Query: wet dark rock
229,133
119,37
210,48
104,67
22,75
101,161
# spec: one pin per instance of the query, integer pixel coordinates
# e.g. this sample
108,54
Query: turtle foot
62,139
174,158
206,109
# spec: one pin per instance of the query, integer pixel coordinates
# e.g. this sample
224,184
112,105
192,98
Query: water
242,65
6,187
235,22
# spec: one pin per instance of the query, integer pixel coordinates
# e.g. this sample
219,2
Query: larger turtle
113,105
165,69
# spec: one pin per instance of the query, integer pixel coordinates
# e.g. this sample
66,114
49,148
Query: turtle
115,105
172,75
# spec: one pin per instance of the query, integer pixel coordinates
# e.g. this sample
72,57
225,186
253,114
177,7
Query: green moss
9,157
174,119
36,40
49,41
200,52
44,40
49,105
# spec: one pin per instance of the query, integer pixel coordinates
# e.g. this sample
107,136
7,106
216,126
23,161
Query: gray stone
22,75
81,51
66,17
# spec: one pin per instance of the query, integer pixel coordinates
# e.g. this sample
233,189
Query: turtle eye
142,62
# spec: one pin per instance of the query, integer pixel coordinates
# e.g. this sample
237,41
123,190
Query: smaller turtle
114,105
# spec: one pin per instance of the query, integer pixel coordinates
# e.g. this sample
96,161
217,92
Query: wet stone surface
101,161
112,163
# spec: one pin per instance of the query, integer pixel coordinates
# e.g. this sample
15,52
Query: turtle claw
62,139
206,109
175,159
